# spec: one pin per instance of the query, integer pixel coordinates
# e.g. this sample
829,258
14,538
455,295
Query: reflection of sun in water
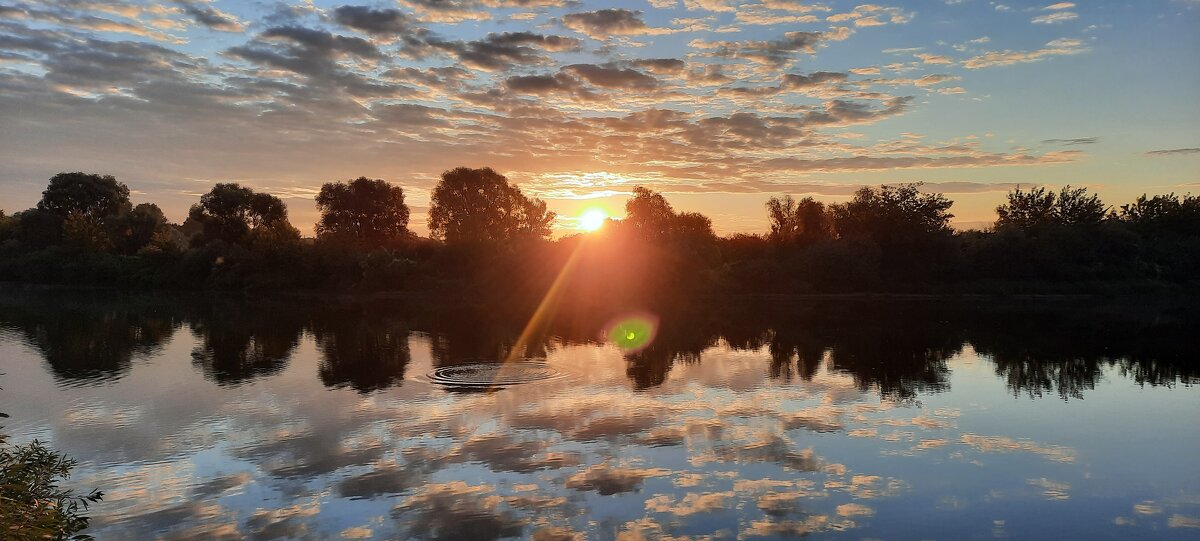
592,219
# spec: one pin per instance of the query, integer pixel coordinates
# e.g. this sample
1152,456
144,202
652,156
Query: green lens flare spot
632,334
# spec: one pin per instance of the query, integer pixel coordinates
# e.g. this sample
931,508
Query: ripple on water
492,375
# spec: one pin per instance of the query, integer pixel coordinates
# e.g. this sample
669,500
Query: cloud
934,59
611,76
203,13
1055,18
497,52
1072,142
379,22
869,163
774,53
1058,47
660,65
604,23
1174,152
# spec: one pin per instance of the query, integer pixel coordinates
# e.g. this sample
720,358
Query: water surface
900,419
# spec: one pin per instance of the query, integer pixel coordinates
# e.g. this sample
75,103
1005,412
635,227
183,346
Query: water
840,418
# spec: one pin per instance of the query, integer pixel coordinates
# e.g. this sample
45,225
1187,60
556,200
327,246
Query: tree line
487,237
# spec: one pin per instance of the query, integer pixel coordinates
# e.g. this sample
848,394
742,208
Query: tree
649,213
471,205
1076,207
229,212
1164,212
97,197
892,213
803,221
8,227
135,229
364,211
1027,209
1039,207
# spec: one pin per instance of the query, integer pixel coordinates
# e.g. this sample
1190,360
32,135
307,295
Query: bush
32,504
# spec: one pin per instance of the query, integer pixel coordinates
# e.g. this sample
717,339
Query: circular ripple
493,374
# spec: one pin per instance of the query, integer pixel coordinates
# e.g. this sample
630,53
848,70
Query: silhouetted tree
892,213
650,215
803,221
1039,207
1027,209
363,211
229,212
1164,214
135,229
8,228
96,197
471,205
1076,207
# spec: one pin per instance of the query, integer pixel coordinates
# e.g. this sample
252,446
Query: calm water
224,419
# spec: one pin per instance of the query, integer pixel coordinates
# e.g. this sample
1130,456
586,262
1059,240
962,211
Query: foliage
490,243
1076,207
892,214
1040,208
1027,209
473,205
229,212
652,218
98,197
370,213
139,227
33,505
1164,213
805,221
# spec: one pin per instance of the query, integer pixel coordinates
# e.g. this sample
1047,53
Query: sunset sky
716,103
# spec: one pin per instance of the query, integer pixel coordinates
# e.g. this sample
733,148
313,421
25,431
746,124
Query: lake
206,417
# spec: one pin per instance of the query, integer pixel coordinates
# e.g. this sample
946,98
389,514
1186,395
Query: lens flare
632,333
592,219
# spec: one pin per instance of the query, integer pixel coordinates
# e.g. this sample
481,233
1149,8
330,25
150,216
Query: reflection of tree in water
900,356
679,339
241,342
361,348
899,349
794,354
86,340
1055,351
476,338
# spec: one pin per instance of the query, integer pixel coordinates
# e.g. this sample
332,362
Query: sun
592,219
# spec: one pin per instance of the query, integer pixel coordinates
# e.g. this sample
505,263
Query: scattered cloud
1173,152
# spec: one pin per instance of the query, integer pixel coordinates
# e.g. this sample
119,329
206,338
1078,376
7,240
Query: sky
716,103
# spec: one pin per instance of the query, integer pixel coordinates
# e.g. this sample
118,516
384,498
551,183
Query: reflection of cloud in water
283,436
457,510
607,480
1000,444
1180,521
690,504
1052,490
854,510
382,481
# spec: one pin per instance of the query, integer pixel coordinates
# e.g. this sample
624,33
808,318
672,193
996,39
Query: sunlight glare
592,219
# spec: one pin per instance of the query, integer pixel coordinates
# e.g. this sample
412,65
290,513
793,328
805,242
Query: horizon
717,106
